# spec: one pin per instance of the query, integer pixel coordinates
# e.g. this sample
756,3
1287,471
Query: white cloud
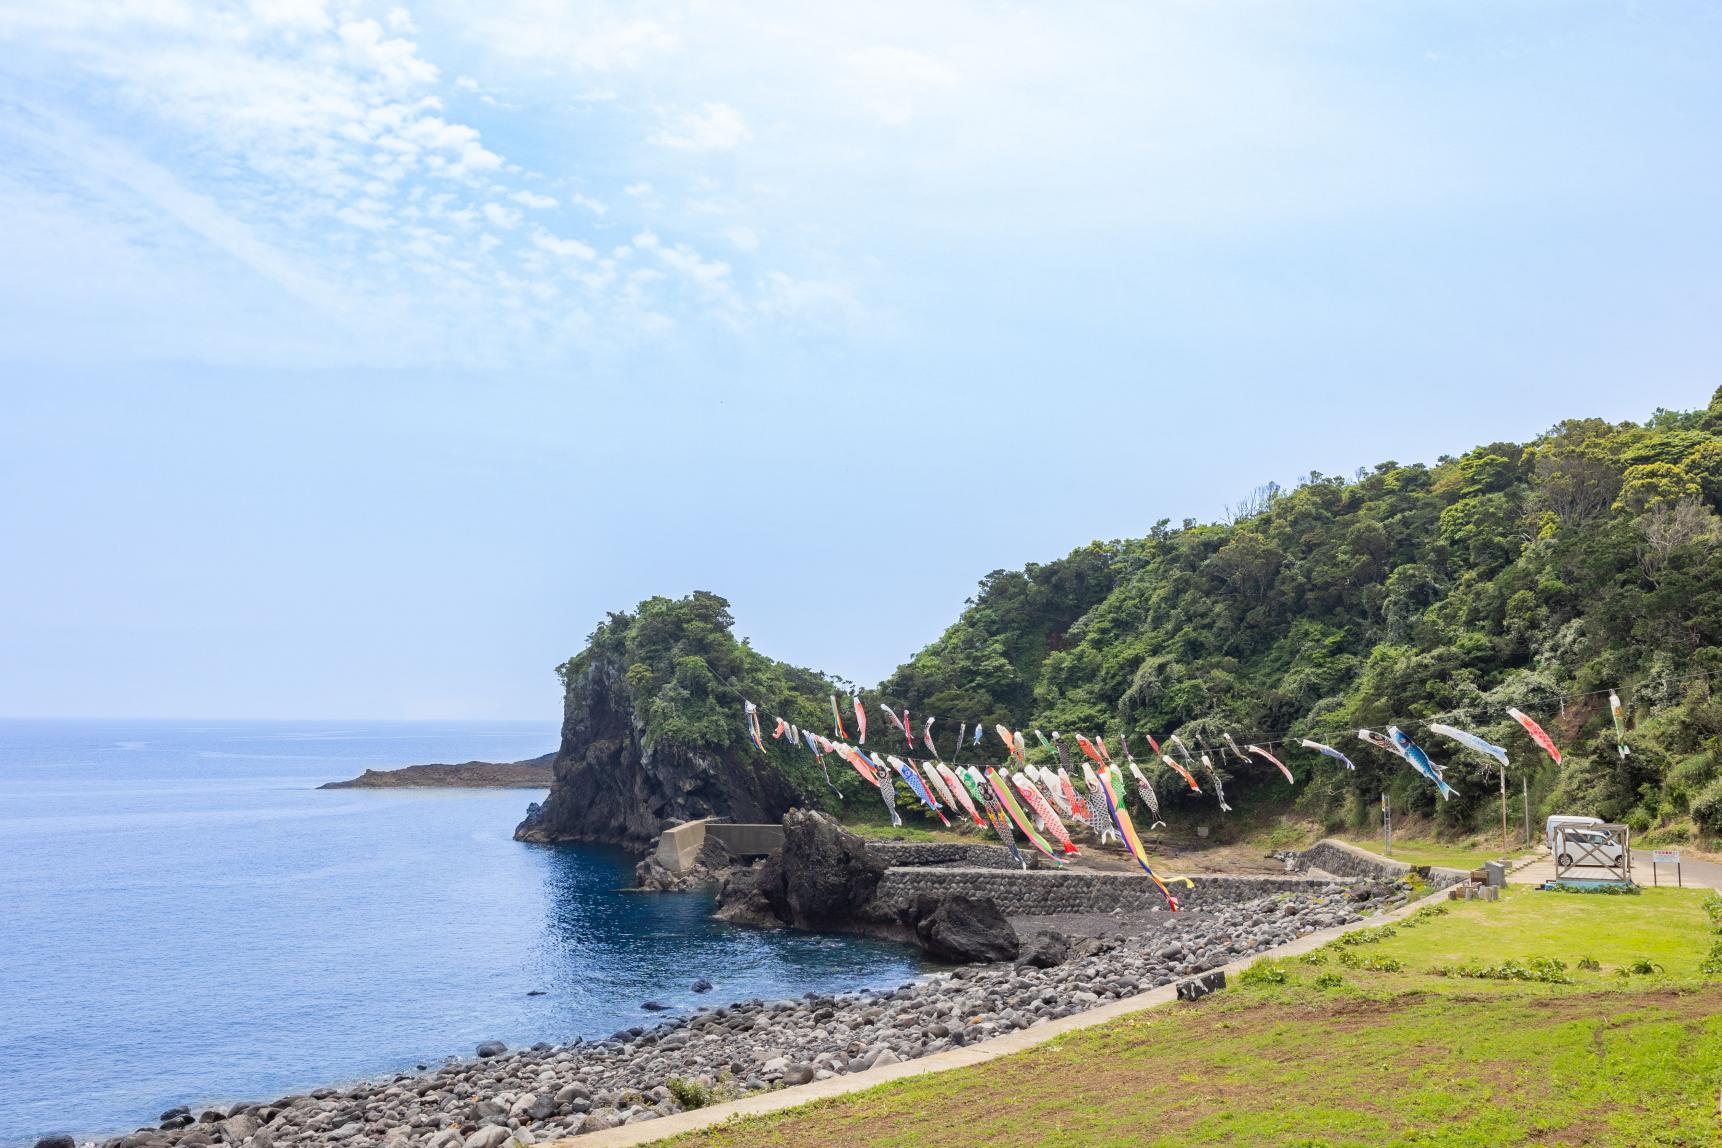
500,216
533,200
744,238
596,207
893,81
638,190
566,248
715,127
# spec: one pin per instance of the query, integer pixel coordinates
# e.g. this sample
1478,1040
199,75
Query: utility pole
1503,814
1525,786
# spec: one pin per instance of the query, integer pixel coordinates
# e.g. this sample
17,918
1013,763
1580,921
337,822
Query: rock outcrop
609,787
534,773
960,928
827,878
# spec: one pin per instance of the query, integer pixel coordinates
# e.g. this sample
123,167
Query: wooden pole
1503,815
1525,784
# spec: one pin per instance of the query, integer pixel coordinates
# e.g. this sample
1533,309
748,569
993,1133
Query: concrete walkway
648,1131
1694,873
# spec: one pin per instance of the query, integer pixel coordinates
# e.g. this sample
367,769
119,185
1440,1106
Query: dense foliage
1531,575
1534,575
686,676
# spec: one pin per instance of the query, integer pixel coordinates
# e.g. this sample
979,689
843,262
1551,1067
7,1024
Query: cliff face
607,787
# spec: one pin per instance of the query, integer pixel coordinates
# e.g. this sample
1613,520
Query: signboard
1665,857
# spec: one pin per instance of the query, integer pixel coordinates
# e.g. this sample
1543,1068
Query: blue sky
356,358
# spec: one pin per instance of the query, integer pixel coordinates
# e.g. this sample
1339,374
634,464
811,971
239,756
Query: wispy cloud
715,127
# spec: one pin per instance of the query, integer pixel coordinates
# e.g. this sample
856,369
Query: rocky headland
535,773
613,786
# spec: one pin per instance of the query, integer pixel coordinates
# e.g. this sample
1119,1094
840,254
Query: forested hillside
1516,574
1537,575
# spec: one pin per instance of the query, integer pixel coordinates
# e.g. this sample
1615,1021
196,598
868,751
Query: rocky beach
1043,966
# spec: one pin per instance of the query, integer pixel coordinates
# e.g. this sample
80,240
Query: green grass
1325,1055
916,833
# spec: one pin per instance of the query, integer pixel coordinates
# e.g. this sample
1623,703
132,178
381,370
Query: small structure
1603,847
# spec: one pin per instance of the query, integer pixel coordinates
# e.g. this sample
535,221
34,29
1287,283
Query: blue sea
185,918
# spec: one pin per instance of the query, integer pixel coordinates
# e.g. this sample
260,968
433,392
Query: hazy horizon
359,358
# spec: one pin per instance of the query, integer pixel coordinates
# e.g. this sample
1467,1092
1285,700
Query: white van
1557,821
1588,847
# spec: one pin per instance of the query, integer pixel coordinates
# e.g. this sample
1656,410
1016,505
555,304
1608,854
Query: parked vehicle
1562,819
1588,847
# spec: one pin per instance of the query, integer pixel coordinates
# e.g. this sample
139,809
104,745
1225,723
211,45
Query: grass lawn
1364,1057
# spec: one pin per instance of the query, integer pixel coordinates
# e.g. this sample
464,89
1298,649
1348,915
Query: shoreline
751,1046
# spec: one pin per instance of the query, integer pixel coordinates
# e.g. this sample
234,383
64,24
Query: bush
1262,973
1706,808
1328,980
689,1093
1713,909
1712,964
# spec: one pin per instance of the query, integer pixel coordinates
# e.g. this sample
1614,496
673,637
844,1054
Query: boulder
826,874
490,1136
962,928
1044,950
56,1141
701,985
823,877
491,1048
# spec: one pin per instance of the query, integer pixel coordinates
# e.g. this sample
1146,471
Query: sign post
1666,857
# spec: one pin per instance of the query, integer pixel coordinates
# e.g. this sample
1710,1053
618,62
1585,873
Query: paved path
1693,872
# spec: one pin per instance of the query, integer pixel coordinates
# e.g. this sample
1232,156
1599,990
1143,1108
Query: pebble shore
547,1092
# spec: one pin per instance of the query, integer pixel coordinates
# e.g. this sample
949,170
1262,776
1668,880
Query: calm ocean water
185,918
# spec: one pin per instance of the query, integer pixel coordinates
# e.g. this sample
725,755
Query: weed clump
1262,973
1544,970
1328,980
1369,936
1711,966
690,1094
1589,964
1638,968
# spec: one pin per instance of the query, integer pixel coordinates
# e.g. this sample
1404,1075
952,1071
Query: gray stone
490,1136
491,1048
965,928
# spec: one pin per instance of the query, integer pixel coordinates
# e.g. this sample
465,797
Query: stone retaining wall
910,854
1040,892
1343,860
